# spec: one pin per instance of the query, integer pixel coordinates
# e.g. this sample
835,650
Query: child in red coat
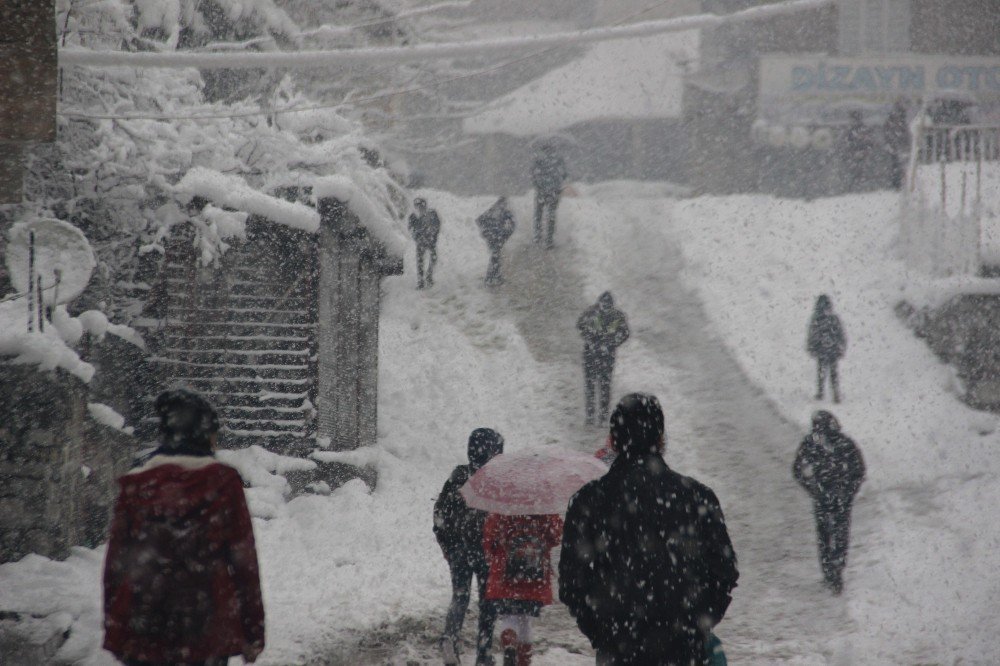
520,582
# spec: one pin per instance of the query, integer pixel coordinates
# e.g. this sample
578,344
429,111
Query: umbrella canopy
539,481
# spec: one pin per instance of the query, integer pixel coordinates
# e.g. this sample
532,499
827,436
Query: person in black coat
826,343
646,566
548,174
496,226
604,329
424,227
896,134
459,532
829,466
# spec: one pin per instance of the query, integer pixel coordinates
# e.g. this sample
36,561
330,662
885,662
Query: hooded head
824,422
484,444
637,426
420,204
606,300
823,304
187,423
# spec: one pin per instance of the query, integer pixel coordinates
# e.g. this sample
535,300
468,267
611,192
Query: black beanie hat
637,425
825,422
484,444
187,422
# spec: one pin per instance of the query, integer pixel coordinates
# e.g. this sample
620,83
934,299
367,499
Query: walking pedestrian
181,582
896,134
520,583
496,226
856,151
424,227
604,328
826,343
828,464
459,532
646,566
548,174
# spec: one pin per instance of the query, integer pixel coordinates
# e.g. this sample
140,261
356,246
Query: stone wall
57,466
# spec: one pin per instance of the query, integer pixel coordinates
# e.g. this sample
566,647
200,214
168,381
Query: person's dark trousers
833,531
660,649
597,371
546,204
421,251
826,367
462,571
896,170
493,274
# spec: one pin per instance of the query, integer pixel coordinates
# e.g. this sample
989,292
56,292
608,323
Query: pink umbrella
540,481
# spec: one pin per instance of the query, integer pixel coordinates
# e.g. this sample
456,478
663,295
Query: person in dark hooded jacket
826,343
604,329
829,466
496,226
181,581
646,566
548,175
459,531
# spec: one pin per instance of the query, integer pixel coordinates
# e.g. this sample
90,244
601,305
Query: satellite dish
62,254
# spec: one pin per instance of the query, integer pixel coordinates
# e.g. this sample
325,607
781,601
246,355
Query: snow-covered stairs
244,335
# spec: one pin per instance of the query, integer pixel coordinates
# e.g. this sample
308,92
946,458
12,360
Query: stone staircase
244,335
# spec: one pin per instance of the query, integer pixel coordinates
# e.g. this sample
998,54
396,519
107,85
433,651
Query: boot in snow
508,643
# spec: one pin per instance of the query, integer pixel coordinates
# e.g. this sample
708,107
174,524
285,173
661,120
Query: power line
421,52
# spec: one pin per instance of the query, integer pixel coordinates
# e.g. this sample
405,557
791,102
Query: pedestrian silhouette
548,174
604,328
826,343
646,566
496,226
896,134
459,531
181,581
424,227
828,464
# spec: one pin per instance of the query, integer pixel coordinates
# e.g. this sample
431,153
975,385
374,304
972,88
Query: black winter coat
646,555
458,528
831,470
826,340
425,228
604,330
548,173
496,225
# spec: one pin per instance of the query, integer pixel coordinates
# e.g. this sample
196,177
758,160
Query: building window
873,26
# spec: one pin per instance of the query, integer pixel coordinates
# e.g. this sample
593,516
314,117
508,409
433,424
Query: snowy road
721,428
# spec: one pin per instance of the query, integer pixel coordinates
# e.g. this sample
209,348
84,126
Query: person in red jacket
520,581
181,582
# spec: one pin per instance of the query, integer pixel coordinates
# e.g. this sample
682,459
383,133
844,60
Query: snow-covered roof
234,192
641,78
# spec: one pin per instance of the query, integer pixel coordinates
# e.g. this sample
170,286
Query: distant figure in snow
548,174
459,532
518,549
646,566
604,329
857,150
424,227
896,134
181,582
826,343
496,226
829,466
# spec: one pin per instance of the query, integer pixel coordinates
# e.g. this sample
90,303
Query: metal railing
959,143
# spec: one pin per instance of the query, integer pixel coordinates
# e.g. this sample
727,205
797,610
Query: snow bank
45,349
627,79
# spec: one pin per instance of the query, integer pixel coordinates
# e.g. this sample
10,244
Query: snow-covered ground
919,584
